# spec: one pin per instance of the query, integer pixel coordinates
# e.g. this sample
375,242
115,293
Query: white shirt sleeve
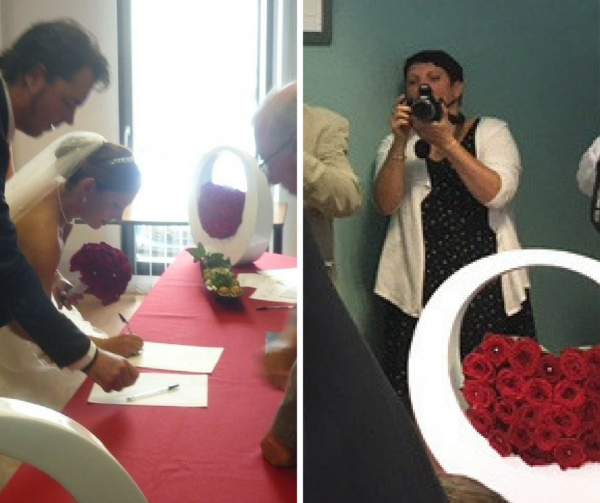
586,174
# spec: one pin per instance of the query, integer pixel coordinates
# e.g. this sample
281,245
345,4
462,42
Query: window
191,74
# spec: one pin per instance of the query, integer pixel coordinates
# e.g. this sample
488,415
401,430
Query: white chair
435,379
66,451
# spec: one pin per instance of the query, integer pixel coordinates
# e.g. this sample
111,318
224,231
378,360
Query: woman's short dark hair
112,167
63,46
437,58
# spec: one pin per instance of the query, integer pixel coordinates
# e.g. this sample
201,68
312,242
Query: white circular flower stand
435,379
66,451
252,237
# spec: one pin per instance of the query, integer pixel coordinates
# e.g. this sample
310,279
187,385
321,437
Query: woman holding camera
447,183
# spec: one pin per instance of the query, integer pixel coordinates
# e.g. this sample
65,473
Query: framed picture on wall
317,22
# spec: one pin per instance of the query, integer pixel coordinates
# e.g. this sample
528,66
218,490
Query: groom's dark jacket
22,296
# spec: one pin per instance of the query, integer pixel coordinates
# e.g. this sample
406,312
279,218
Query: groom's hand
112,372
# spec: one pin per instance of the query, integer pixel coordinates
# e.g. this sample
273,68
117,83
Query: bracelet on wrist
451,144
92,361
398,157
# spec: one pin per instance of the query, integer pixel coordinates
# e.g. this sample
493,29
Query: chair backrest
66,451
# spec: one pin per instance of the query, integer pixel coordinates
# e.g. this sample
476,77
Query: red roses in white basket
539,406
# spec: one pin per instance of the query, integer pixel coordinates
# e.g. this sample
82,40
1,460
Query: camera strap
456,119
595,205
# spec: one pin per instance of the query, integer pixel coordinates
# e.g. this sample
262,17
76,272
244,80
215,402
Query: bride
101,180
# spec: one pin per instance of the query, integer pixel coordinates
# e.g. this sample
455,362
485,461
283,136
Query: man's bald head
275,132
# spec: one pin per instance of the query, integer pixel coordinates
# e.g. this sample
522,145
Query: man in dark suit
46,75
360,445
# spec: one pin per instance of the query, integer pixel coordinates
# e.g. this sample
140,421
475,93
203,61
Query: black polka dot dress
456,232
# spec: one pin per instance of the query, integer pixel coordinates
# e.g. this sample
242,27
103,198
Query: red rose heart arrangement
220,209
529,402
104,270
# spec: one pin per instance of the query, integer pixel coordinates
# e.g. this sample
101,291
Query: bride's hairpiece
121,160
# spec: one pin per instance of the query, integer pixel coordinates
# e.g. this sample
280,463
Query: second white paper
191,392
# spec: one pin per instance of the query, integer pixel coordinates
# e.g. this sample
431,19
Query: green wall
533,63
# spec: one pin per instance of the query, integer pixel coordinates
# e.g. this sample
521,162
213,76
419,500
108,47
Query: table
190,454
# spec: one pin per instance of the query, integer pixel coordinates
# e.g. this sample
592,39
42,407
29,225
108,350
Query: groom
46,75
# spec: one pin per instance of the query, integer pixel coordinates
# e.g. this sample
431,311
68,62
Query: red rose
496,347
545,436
537,391
510,384
572,364
506,410
536,457
478,394
549,368
592,387
591,444
569,394
520,435
566,421
525,357
529,412
499,441
479,366
569,453
592,359
481,420
589,414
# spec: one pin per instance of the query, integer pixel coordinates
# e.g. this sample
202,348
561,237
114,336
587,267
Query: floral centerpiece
220,209
104,270
529,402
216,272
208,259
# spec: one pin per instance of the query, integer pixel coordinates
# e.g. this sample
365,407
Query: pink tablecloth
187,455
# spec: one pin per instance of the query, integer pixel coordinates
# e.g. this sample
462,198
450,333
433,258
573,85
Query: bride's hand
61,288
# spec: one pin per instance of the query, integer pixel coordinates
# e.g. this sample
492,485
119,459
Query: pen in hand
153,392
124,320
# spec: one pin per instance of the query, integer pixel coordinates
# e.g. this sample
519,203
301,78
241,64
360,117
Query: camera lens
424,110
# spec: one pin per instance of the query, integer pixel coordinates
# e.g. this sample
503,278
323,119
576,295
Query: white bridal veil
49,169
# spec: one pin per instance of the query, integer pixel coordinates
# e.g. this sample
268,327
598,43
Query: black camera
426,108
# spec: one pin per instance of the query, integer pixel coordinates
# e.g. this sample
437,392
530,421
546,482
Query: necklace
67,221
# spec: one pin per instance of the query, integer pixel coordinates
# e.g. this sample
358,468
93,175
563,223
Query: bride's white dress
26,373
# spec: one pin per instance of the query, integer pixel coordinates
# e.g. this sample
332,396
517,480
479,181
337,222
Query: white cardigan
402,262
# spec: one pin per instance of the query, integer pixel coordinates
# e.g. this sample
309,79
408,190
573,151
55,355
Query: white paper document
277,285
192,391
157,355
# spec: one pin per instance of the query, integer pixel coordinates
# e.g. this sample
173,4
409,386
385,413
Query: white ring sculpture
252,237
66,451
435,379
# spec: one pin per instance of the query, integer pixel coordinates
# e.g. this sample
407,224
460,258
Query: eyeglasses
263,165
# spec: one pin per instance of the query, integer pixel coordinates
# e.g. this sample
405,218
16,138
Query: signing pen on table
266,308
124,320
152,392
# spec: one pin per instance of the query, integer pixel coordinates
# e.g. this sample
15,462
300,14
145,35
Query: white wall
99,114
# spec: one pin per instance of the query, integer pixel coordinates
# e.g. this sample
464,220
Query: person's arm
279,444
388,188
493,176
329,182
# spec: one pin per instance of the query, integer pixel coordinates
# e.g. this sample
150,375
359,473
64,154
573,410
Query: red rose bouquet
104,270
220,210
526,401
